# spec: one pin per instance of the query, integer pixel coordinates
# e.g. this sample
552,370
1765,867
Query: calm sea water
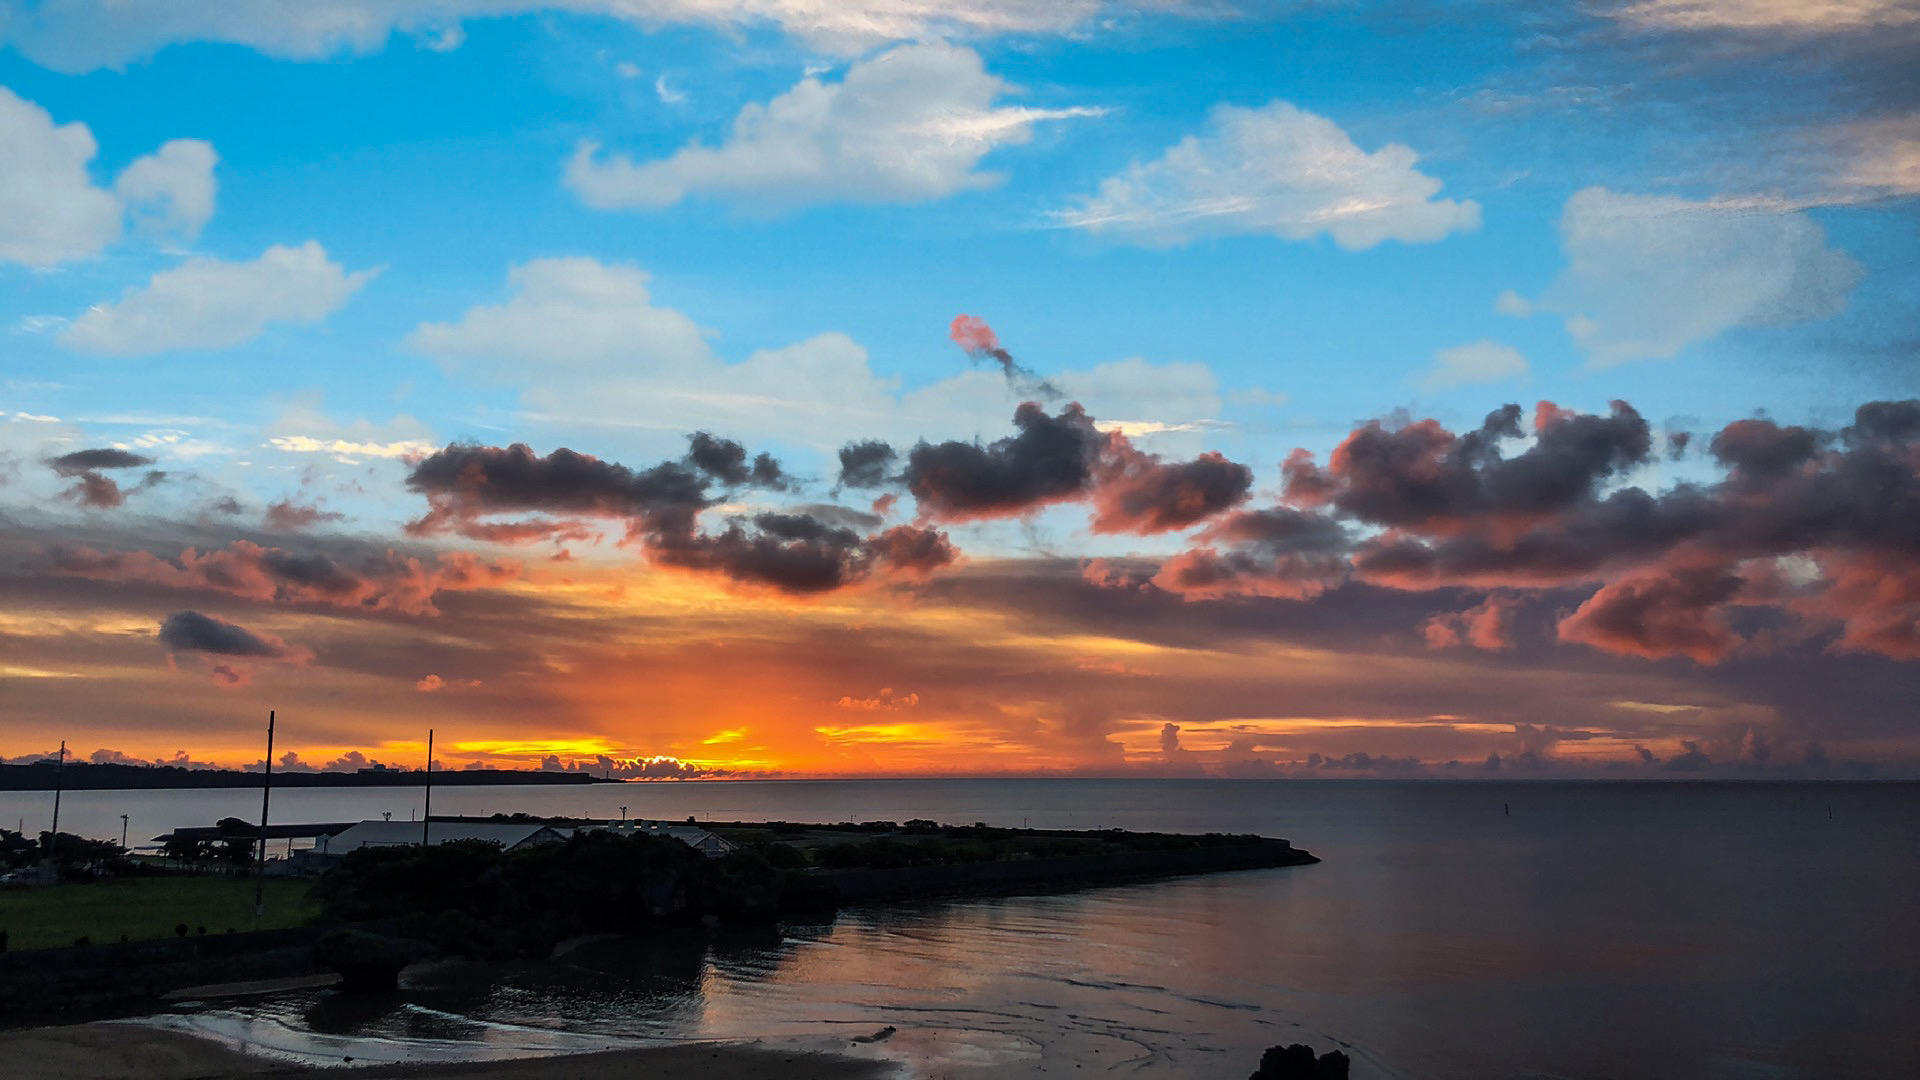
1596,931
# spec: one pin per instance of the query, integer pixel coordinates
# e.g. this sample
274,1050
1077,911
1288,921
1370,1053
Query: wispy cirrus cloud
81,35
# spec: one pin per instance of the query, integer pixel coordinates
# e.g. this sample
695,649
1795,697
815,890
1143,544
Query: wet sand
109,1050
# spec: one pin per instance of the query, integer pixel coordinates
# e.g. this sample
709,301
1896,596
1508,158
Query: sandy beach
111,1051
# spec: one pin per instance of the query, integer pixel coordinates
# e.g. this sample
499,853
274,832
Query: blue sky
1235,228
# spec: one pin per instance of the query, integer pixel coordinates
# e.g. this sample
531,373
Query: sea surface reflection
1600,931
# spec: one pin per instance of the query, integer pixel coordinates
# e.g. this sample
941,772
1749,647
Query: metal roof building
509,835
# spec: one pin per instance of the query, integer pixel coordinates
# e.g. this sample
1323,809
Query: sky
722,388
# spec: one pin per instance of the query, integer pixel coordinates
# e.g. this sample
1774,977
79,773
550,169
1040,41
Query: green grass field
144,908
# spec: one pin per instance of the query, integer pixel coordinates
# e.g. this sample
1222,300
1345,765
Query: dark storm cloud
794,552
1421,475
800,554
383,580
190,631
1139,493
867,464
82,461
1761,452
466,482
1673,568
1051,460
726,461
1277,552
93,489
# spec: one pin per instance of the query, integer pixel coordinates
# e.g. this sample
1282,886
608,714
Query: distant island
87,776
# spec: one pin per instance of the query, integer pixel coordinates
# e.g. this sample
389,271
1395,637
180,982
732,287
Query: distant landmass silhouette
87,776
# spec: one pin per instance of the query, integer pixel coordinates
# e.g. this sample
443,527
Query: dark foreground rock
1296,1062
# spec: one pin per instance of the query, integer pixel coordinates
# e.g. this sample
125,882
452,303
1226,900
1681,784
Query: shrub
366,963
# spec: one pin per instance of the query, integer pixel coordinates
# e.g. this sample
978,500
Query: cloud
1873,159
80,35
170,192
575,314
1674,612
607,356
1422,475
1806,535
1476,362
82,461
867,464
973,335
1769,16
307,444
50,209
1050,460
91,488
1139,493
726,461
208,303
1649,275
1488,625
1277,552
468,487
886,700
909,125
1276,170
289,516
377,581
190,631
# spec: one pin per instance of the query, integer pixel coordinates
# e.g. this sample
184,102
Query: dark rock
1296,1062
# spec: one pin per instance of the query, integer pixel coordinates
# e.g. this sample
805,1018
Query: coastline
114,1048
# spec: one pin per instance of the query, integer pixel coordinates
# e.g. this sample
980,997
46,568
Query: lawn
36,918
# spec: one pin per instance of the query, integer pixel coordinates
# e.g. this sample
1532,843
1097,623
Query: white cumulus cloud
52,212
208,303
909,125
1474,362
170,191
1648,275
1279,170
585,343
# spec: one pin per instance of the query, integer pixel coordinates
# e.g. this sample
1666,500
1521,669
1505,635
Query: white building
693,836
509,835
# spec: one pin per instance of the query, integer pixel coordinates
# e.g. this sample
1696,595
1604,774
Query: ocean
1454,930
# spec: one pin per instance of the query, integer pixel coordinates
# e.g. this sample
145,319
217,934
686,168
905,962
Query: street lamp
623,815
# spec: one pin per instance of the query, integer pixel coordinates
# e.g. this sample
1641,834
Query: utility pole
123,832
260,860
426,814
53,837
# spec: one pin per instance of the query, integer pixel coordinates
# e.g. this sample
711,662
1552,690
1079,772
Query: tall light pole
426,813
53,837
260,859
123,832
623,815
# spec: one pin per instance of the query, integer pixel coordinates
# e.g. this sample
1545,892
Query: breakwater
861,886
